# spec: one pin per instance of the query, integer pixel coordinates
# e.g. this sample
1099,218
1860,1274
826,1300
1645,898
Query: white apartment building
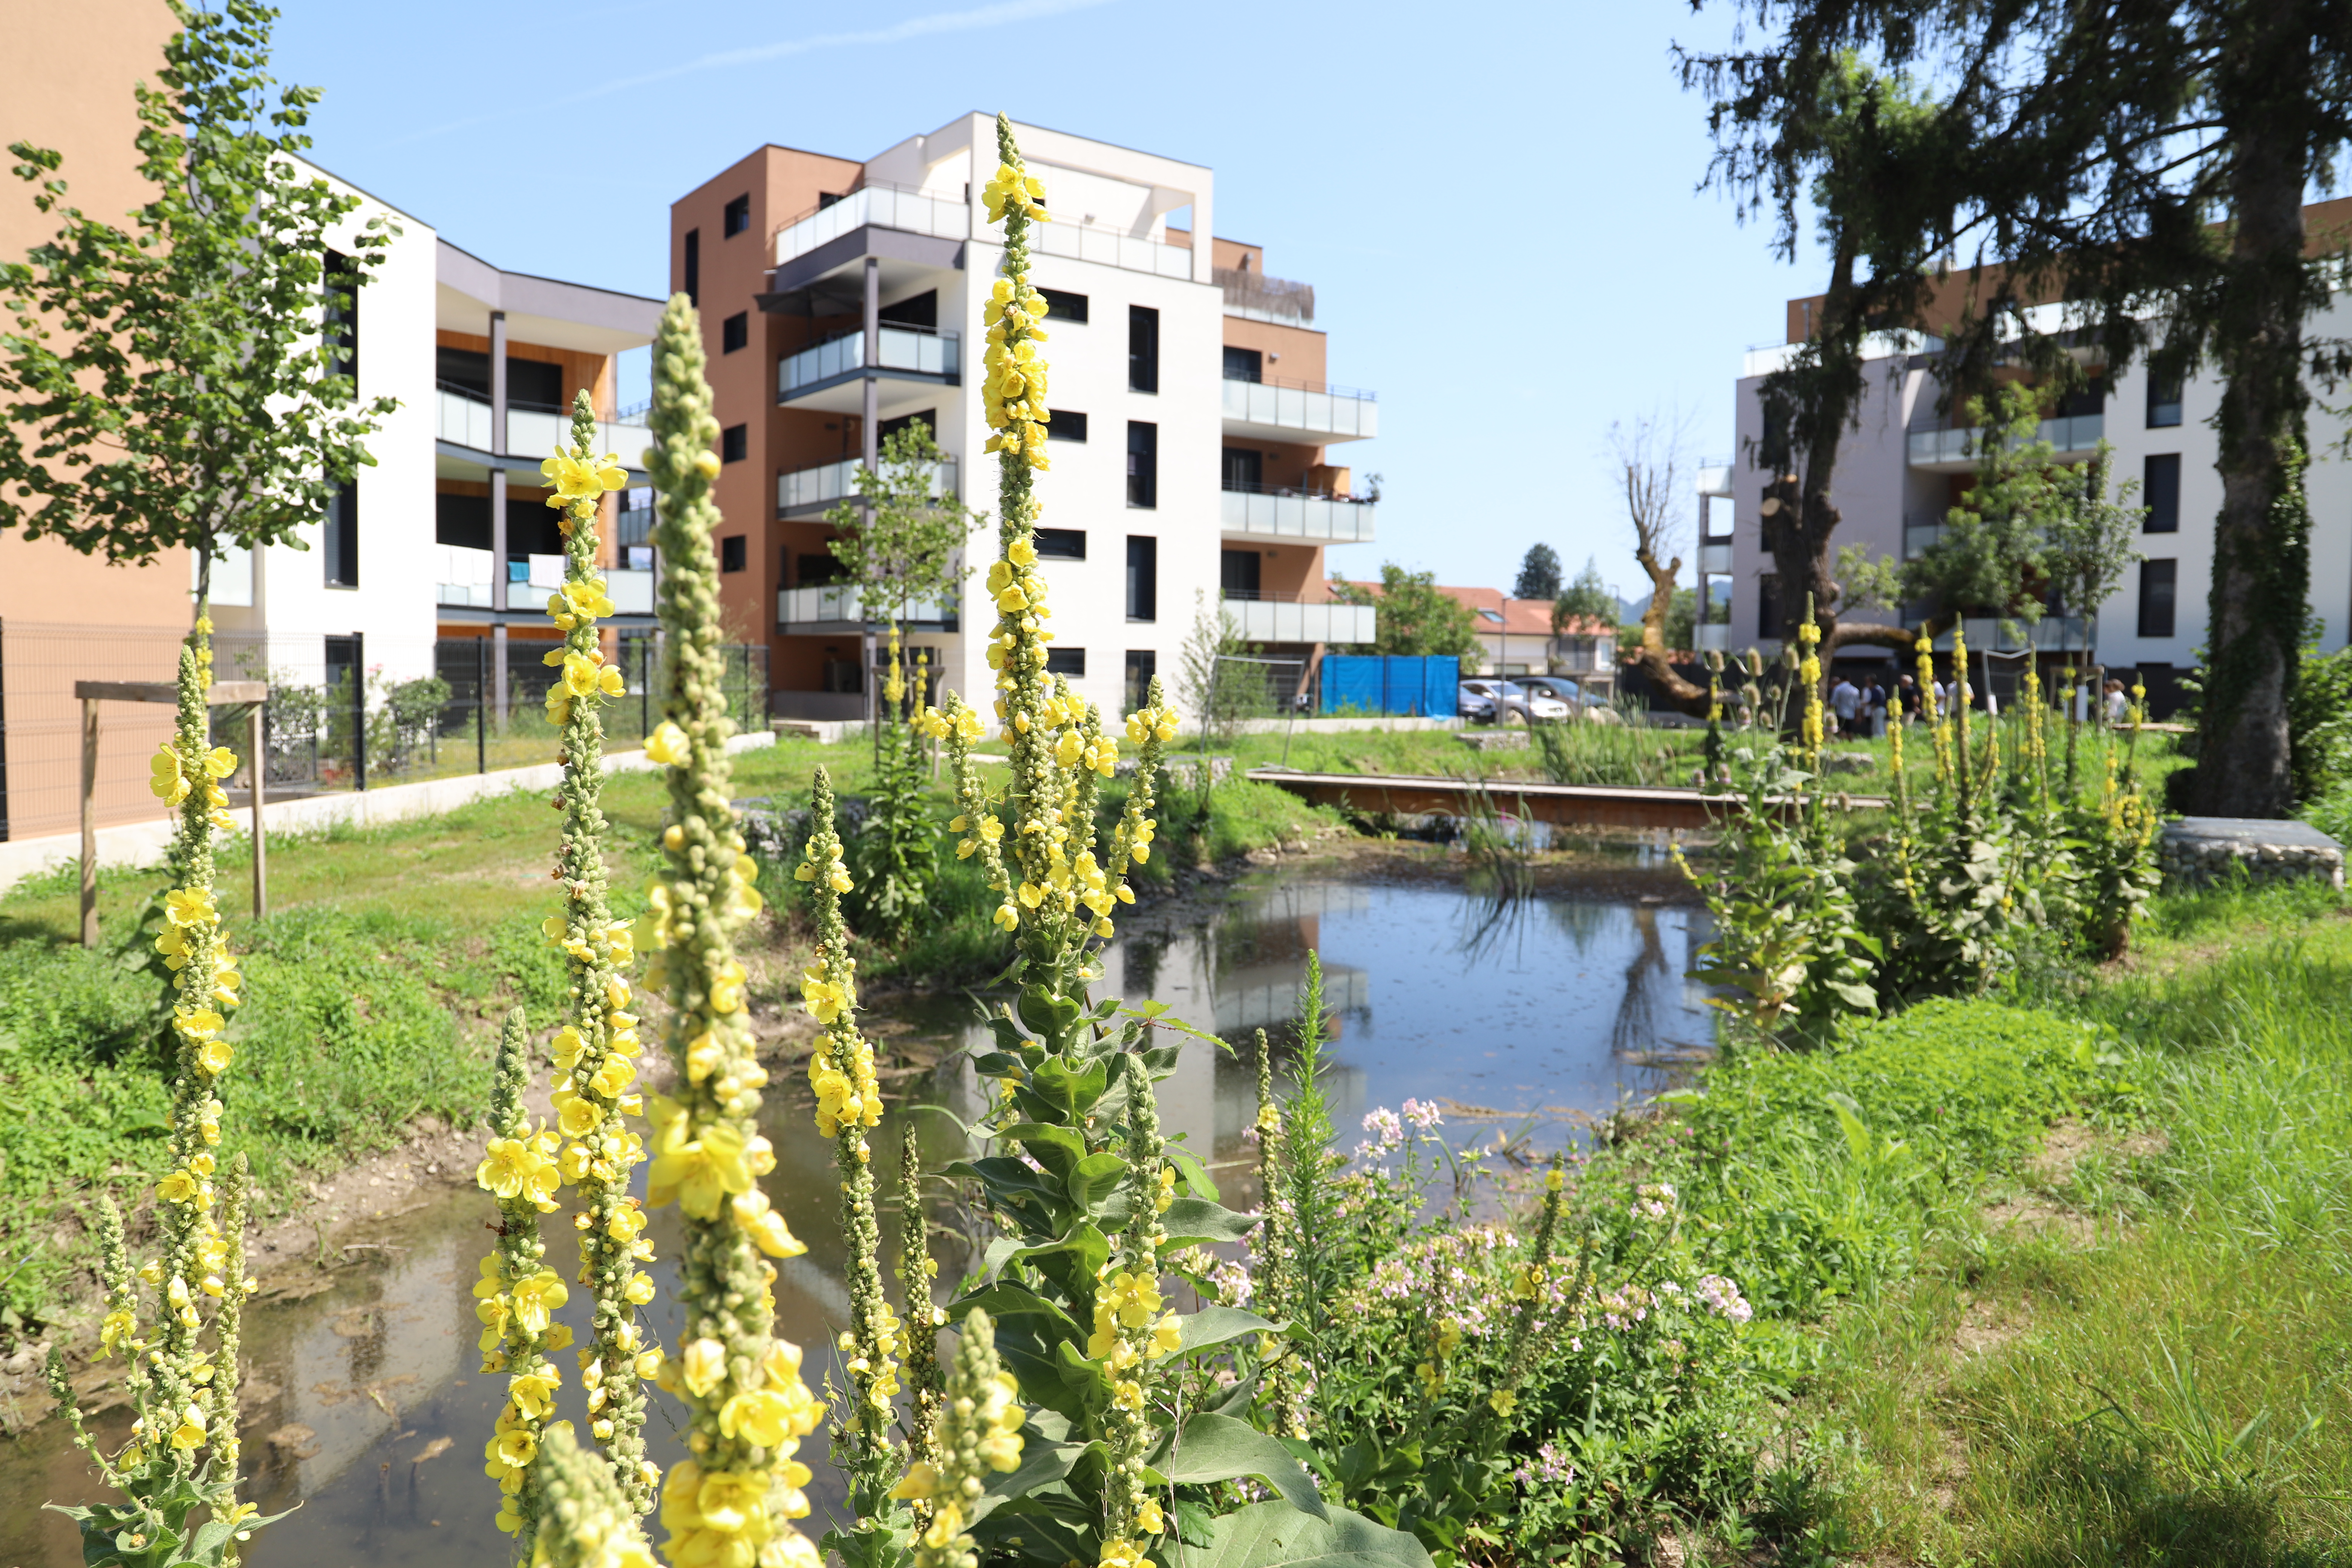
402,576
841,300
1903,467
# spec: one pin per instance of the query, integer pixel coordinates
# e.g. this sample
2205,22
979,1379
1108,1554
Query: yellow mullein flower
581,478
667,746
170,783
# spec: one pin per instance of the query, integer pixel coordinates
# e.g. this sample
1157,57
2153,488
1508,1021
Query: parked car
1565,689
1518,705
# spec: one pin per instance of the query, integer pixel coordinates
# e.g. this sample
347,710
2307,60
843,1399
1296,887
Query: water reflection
368,1408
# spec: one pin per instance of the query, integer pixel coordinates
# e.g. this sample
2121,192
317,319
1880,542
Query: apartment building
1191,425
1907,463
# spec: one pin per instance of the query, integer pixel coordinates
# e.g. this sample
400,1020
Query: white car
1519,703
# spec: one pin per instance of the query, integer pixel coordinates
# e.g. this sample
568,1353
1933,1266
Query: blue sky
1496,203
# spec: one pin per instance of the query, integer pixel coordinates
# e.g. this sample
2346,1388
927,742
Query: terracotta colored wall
1280,465
1301,348
590,372
64,616
783,183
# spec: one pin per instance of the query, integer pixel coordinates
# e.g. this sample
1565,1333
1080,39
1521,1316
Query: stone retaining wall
2198,850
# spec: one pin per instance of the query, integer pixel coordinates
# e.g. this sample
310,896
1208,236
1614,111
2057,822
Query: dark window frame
2160,492
1058,303
1255,364
1066,661
735,333
1058,425
694,266
736,217
339,537
1142,578
1142,465
1142,349
735,553
1142,664
2159,598
735,443
1060,544
2163,401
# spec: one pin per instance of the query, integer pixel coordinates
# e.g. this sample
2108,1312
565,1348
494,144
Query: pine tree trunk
2262,565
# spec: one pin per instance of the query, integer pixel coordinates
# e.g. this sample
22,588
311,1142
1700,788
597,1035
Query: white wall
392,606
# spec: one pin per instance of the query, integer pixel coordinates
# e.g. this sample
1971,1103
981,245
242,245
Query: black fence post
481,705
359,709
645,686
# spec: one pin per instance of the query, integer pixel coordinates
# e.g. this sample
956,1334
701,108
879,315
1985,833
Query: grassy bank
373,986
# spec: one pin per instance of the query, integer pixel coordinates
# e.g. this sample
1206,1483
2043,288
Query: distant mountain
1630,611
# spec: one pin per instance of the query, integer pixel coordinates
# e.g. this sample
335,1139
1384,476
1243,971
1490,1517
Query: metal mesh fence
344,712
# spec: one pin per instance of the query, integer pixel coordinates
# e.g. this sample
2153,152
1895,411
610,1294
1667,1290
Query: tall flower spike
1132,1331
590,1523
596,1049
848,1101
517,1292
917,1270
732,1500
980,1432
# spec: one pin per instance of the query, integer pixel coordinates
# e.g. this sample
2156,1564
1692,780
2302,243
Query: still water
364,1402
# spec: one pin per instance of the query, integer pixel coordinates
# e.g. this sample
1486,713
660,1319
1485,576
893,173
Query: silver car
1519,704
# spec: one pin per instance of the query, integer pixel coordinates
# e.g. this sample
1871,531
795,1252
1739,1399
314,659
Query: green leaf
1006,1301
1192,1221
1056,1148
1275,1535
1197,1180
1093,1177
1220,1449
1219,1325
1071,1093
1042,1464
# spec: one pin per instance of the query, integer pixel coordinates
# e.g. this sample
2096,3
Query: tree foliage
1588,598
172,385
901,541
1538,574
1415,616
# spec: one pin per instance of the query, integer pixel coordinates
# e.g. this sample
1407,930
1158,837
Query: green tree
1989,557
1588,598
901,541
171,384
2147,164
1538,575
1211,680
1414,616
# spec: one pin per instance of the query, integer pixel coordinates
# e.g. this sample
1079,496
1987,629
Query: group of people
1860,713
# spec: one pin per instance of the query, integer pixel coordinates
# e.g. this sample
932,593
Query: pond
1520,1020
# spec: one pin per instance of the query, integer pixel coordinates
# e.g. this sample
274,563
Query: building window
343,536
1069,661
1062,306
1237,573
1061,543
2163,399
2159,586
1142,464
340,280
1065,424
1243,364
732,552
1244,469
1142,664
1142,578
1768,604
1142,349
738,216
917,310
694,266
816,570
2160,488
889,427
735,333
734,442
535,384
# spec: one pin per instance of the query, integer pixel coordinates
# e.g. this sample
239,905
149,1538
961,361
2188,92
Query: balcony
463,578
1919,532
1285,410
463,419
1265,620
1255,296
1958,451
1715,637
918,353
1264,511
2051,634
805,491
900,207
1108,247
837,611
1715,560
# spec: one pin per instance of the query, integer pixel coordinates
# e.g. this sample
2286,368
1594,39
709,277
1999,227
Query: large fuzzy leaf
1194,1221
1275,1535
1220,1449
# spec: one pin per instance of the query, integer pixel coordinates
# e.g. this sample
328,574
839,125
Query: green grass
2145,1356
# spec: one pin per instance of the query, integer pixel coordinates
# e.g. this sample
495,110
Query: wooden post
90,822
260,765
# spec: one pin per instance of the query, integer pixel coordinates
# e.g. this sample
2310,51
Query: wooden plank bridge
1567,805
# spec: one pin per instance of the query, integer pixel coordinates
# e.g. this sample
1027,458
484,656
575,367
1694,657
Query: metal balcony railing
923,350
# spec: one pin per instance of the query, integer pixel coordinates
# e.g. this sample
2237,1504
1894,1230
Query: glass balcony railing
1308,406
1277,514
900,207
831,482
1275,620
463,576
2079,433
1083,242
841,606
1715,559
462,419
918,349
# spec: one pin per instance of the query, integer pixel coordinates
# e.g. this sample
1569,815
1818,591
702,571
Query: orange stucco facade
64,615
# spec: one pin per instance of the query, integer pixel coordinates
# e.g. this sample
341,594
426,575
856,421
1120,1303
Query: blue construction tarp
1399,686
